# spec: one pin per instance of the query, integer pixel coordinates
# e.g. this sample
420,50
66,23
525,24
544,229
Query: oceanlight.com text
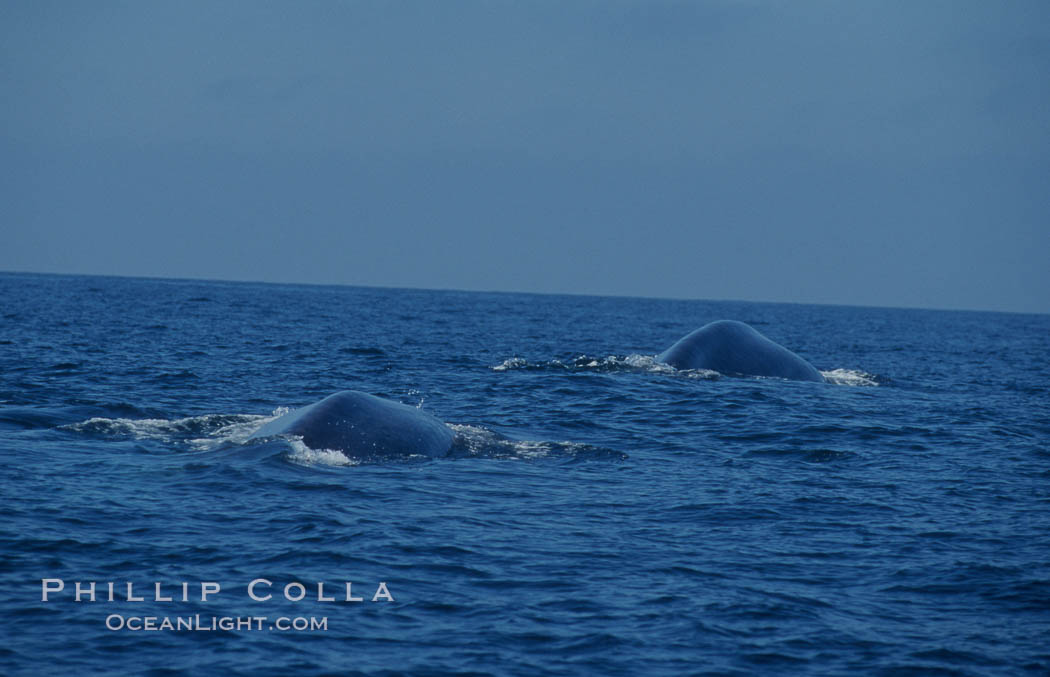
199,623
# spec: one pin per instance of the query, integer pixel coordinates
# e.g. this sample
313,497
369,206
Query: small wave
65,366
611,363
850,377
648,363
477,442
175,377
512,363
805,455
363,350
202,433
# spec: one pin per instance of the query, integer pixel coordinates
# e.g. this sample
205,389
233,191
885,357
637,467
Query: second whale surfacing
363,426
731,347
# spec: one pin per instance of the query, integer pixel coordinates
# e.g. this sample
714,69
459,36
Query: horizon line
513,291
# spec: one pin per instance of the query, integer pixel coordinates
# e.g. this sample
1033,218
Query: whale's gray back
731,347
363,426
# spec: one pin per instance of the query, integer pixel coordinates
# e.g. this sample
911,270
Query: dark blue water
600,514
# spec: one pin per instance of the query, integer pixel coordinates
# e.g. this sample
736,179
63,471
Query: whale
735,348
363,426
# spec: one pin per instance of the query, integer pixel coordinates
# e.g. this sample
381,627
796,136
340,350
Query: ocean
600,513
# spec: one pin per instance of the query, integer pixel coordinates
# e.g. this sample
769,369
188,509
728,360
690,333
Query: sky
859,153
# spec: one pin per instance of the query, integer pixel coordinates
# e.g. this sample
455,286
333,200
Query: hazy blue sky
873,153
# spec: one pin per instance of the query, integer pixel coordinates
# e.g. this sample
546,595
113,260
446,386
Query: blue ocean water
600,513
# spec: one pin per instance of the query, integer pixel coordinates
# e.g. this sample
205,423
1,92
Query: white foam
531,450
475,438
216,429
238,433
142,428
651,364
482,442
304,455
634,361
644,362
585,362
512,363
849,377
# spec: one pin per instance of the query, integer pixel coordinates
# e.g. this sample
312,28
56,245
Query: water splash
305,456
478,442
211,428
611,363
850,377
